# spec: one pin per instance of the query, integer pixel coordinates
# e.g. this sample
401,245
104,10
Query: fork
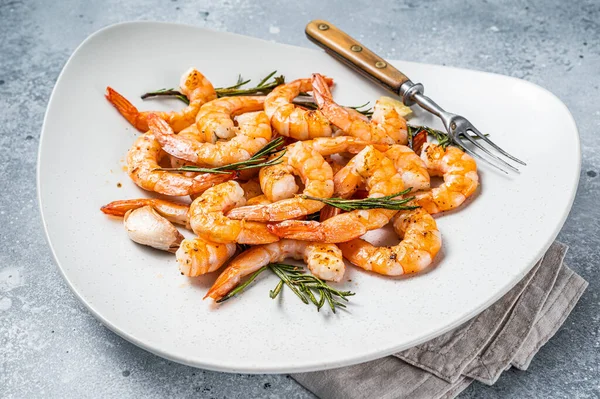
460,130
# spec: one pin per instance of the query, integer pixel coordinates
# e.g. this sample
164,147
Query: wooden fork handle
348,50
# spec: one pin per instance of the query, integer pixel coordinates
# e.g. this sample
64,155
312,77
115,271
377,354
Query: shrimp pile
246,204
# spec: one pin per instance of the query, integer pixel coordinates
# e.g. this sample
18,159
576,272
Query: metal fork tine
482,148
476,155
490,142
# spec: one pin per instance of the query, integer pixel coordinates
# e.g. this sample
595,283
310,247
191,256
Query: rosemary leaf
273,293
263,88
287,282
387,202
243,286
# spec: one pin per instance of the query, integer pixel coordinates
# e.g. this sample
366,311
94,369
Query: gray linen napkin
509,333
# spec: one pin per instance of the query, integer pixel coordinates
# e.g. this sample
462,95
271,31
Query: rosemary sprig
363,110
240,83
303,285
387,202
307,101
263,88
442,137
258,160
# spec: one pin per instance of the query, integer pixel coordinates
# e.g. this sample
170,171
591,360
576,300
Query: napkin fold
507,334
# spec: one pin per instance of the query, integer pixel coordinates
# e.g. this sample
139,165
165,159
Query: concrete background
50,346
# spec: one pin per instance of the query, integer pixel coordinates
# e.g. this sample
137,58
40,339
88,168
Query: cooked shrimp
289,120
142,165
193,84
174,212
208,220
323,260
459,171
381,179
386,125
315,173
145,226
421,241
197,256
254,133
214,121
410,165
278,181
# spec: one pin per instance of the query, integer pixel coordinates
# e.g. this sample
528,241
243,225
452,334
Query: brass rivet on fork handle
323,26
356,48
380,64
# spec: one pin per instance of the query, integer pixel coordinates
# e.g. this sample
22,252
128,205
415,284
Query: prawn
315,173
386,126
290,120
254,133
193,84
214,120
208,220
145,226
323,260
144,170
410,166
459,171
197,256
278,181
380,177
421,241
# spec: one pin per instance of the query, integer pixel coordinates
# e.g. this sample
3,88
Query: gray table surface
51,346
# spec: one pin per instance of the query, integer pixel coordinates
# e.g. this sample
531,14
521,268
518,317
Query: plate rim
322,365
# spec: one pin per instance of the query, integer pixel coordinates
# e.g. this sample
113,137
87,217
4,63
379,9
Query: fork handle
348,50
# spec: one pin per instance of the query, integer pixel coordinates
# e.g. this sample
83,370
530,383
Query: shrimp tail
321,92
127,109
224,283
120,208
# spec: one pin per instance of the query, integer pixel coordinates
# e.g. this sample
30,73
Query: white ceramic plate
138,292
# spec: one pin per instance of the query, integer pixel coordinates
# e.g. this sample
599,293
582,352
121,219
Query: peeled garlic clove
145,226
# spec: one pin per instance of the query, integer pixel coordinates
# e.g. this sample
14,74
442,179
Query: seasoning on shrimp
421,241
215,119
197,256
208,220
